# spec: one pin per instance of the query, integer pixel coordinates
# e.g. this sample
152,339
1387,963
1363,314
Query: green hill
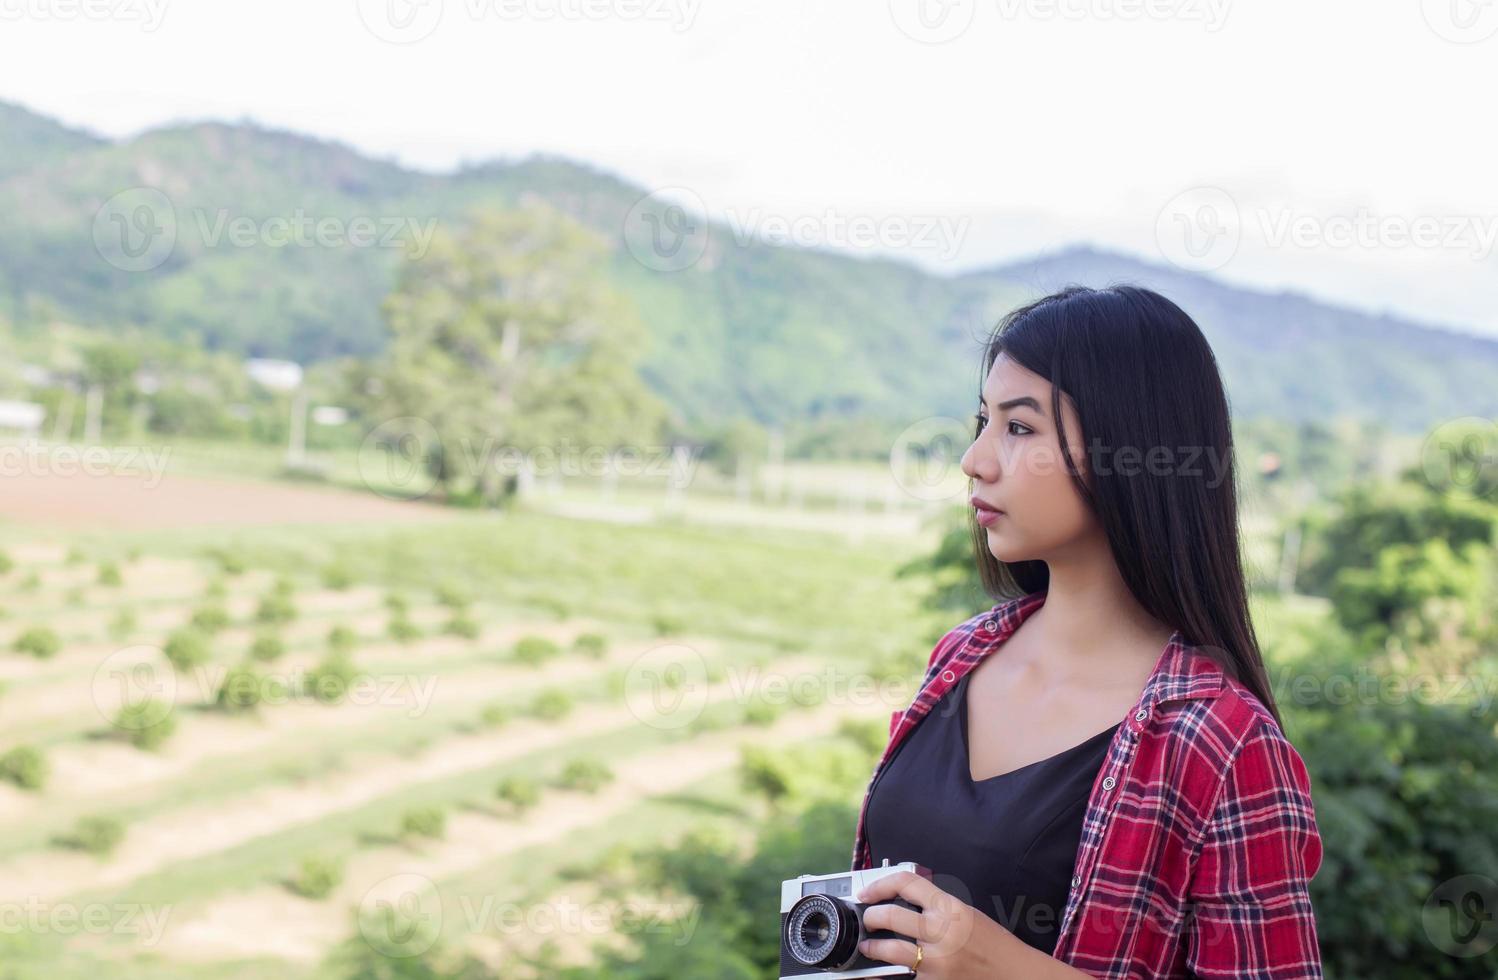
758,329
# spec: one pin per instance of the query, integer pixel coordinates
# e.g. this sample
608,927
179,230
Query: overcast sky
1344,149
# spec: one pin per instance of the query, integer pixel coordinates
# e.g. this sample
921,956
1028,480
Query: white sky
1041,123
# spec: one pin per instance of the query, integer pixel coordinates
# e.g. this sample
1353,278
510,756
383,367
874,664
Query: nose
980,464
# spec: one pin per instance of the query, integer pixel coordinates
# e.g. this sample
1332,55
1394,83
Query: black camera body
821,925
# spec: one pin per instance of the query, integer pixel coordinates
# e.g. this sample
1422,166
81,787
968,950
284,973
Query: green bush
667,624
551,704
229,562
6,562
268,647
276,607
109,575
587,775
210,619
317,876
24,766
75,556
592,645
424,821
146,724
217,590
397,604
187,648
98,835
494,715
123,624
403,630
453,595
762,712
242,689
462,624
535,650
337,576
329,681
342,639
41,642
518,792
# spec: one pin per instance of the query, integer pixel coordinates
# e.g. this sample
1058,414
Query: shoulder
1229,745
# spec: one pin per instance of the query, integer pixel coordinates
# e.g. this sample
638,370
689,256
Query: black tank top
1005,845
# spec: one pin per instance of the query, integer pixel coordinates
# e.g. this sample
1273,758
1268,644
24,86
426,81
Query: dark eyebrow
1024,400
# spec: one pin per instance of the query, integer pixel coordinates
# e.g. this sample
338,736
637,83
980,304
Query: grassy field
199,867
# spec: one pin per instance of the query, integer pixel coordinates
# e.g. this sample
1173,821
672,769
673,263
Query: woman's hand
957,941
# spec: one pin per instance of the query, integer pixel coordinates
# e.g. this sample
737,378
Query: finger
896,919
906,884
895,951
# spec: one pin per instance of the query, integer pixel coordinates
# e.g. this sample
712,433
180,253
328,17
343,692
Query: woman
1094,770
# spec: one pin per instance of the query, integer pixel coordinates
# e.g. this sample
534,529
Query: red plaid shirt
1199,840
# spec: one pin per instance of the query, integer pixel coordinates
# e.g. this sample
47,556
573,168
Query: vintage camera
821,926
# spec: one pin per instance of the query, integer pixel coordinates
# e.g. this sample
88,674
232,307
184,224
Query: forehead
1007,379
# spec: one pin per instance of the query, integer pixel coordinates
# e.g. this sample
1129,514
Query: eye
981,419
1013,423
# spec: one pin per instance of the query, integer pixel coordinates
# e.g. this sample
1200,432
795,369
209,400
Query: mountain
751,328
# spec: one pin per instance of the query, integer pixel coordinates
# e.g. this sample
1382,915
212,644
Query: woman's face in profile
1016,466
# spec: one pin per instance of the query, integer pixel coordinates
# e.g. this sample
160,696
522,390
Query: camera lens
821,932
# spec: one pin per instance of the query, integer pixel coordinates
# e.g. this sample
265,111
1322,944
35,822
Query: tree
504,336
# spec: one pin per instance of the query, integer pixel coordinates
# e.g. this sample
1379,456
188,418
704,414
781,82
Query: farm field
404,662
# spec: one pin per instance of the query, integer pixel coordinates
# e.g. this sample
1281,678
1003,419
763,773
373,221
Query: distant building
281,375
21,418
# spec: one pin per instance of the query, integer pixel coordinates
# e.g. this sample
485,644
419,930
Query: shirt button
991,626
948,676
1141,714
1076,880
1109,782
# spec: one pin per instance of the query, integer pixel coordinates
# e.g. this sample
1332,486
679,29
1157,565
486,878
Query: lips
983,505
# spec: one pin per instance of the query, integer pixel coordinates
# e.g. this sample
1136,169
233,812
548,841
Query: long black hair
1159,445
